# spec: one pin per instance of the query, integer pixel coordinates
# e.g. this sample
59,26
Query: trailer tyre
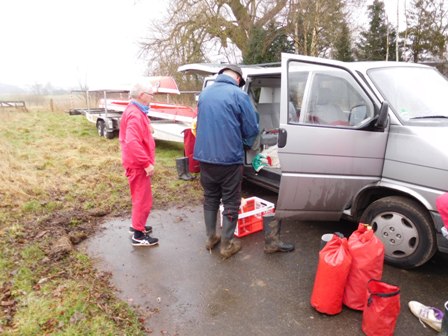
405,228
109,135
100,127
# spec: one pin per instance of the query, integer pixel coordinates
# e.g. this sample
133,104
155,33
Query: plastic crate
250,216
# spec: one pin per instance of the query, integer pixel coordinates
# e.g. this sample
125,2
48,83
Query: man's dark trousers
223,182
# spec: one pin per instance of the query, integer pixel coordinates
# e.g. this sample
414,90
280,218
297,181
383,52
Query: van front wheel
405,228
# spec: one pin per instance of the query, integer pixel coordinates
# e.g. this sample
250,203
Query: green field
59,181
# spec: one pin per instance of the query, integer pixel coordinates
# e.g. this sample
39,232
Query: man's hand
149,170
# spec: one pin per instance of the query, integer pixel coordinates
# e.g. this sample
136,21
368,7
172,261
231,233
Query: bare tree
194,28
248,30
315,25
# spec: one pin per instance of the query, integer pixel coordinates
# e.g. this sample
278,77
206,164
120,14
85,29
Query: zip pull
367,226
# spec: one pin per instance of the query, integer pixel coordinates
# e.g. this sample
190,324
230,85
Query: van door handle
282,137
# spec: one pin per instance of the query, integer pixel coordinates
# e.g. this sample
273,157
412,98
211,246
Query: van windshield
413,93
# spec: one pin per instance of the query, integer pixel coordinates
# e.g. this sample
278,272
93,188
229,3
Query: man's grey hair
140,87
231,73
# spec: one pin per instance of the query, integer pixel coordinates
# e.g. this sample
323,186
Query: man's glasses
149,94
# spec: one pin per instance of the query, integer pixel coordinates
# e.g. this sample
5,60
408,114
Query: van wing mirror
381,122
357,115
282,137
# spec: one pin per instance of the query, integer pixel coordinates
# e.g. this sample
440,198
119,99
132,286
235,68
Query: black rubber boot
444,330
229,245
210,229
187,169
182,169
272,242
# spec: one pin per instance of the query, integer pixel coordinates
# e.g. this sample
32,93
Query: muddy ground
182,289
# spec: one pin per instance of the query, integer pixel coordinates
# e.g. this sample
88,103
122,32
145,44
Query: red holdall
367,253
189,142
381,309
331,275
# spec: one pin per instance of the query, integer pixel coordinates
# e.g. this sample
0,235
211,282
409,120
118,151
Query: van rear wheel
405,228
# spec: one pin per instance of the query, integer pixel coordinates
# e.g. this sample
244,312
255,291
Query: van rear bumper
442,243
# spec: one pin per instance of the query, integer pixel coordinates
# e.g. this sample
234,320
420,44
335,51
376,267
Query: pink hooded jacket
137,143
442,207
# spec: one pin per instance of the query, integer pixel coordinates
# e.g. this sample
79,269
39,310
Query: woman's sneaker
428,315
444,232
145,240
148,229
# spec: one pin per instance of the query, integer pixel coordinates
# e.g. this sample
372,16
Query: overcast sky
68,42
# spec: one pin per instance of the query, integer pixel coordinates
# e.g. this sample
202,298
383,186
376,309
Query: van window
264,92
208,81
296,89
413,93
329,96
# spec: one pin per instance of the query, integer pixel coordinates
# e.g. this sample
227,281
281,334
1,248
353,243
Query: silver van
364,141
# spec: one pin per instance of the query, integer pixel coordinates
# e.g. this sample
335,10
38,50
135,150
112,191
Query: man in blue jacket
226,120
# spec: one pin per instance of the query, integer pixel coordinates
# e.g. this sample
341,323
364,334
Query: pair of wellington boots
183,170
272,242
229,245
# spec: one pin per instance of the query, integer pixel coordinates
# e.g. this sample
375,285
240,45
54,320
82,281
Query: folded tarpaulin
260,161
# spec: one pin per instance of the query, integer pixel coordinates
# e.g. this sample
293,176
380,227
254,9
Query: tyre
405,228
100,127
109,135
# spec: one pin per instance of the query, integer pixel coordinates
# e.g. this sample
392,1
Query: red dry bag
382,309
367,253
189,141
331,275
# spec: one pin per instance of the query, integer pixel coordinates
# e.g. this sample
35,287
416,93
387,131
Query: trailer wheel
109,135
100,127
405,228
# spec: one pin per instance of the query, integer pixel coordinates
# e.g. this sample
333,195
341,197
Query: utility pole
387,39
398,32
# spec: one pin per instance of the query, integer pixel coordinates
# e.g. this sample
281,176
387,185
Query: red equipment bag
331,275
382,309
367,253
189,141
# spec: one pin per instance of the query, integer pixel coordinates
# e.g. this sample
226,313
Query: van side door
332,151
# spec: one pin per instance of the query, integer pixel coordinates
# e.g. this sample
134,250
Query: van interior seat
269,115
326,111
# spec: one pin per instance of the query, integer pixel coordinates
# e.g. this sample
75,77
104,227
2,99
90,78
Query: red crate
250,216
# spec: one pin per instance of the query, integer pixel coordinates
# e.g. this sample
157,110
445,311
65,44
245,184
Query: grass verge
58,181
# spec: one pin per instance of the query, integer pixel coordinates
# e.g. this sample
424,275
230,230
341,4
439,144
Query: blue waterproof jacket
226,118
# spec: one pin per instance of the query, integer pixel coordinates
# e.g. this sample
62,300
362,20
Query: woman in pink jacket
138,157
434,317
442,207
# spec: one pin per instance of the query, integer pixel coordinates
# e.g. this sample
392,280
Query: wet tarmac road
185,290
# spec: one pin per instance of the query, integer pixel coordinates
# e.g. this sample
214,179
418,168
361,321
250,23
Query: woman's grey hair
139,87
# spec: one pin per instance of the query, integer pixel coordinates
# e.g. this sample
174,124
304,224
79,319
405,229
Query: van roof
364,66
207,69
